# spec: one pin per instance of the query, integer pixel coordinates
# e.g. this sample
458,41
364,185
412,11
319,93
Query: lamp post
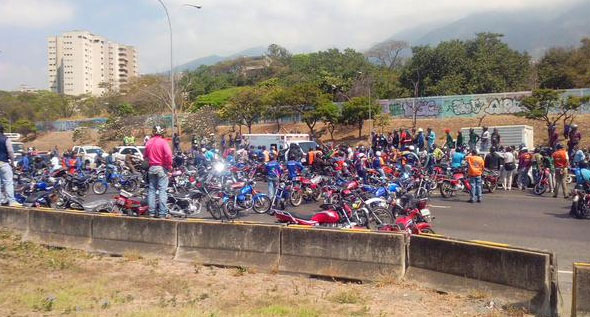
172,92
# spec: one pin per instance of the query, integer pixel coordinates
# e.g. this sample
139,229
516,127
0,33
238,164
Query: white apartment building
83,63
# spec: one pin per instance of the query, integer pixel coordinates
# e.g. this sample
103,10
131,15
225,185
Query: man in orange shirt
561,162
475,166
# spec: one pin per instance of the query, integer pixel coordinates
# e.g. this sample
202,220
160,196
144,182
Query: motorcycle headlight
356,205
219,167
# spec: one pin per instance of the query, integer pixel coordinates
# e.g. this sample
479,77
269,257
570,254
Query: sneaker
470,201
479,200
15,204
167,216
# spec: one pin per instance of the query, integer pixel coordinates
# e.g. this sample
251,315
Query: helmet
378,153
203,150
158,130
411,148
524,149
361,155
420,130
574,126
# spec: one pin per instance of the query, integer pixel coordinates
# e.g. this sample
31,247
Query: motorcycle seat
238,185
301,216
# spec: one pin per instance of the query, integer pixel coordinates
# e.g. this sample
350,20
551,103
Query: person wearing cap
6,176
561,162
420,140
475,166
159,156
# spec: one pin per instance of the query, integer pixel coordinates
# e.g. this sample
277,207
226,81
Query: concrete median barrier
581,290
248,245
524,277
16,219
118,235
60,228
359,255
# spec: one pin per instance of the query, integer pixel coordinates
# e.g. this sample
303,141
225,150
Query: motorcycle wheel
214,209
491,187
539,189
99,188
421,193
574,209
261,205
583,211
131,185
317,194
296,198
427,230
230,210
378,217
446,189
569,179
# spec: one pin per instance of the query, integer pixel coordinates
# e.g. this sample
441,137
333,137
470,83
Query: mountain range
532,31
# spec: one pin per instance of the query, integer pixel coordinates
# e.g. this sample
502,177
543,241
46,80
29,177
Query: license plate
120,201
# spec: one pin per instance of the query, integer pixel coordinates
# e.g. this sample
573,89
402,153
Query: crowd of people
402,149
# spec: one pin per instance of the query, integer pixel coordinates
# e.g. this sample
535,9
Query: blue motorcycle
127,182
243,196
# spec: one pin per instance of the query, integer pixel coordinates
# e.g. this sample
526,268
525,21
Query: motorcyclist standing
273,174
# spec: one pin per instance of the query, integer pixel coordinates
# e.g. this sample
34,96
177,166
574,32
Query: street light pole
172,99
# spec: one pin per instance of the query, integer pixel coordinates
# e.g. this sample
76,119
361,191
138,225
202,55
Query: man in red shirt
561,162
159,156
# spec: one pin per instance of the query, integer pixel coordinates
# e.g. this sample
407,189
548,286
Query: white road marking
436,206
565,272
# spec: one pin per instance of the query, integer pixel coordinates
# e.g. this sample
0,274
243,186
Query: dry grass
37,280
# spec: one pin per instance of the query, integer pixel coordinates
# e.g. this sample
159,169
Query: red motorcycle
310,187
490,180
415,222
129,204
542,182
456,183
331,216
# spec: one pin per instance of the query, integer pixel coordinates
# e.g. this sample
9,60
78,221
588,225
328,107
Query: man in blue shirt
582,174
273,174
25,163
294,167
458,158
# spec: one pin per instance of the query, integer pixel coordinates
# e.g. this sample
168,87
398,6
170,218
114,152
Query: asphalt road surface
517,218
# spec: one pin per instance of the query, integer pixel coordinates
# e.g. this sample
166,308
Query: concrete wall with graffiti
466,105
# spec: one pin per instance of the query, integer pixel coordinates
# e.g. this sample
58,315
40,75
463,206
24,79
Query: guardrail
524,277
581,290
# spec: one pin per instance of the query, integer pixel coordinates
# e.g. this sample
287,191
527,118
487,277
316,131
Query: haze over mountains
533,31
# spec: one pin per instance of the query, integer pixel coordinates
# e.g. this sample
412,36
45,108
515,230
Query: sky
221,27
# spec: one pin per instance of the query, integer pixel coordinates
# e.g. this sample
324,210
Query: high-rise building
83,63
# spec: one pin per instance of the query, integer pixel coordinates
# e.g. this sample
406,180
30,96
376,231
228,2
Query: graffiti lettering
464,107
503,106
424,108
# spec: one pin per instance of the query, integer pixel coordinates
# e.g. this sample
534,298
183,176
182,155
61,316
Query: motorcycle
490,180
581,202
130,204
310,188
184,205
243,196
457,183
68,201
127,182
542,183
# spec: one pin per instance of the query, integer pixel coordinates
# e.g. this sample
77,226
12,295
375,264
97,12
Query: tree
247,106
24,127
387,53
547,105
276,102
305,100
330,114
382,120
356,111
279,53
481,65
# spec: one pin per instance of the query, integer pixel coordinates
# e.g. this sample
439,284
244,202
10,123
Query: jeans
560,181
475,188
6,183
158,181
272,186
